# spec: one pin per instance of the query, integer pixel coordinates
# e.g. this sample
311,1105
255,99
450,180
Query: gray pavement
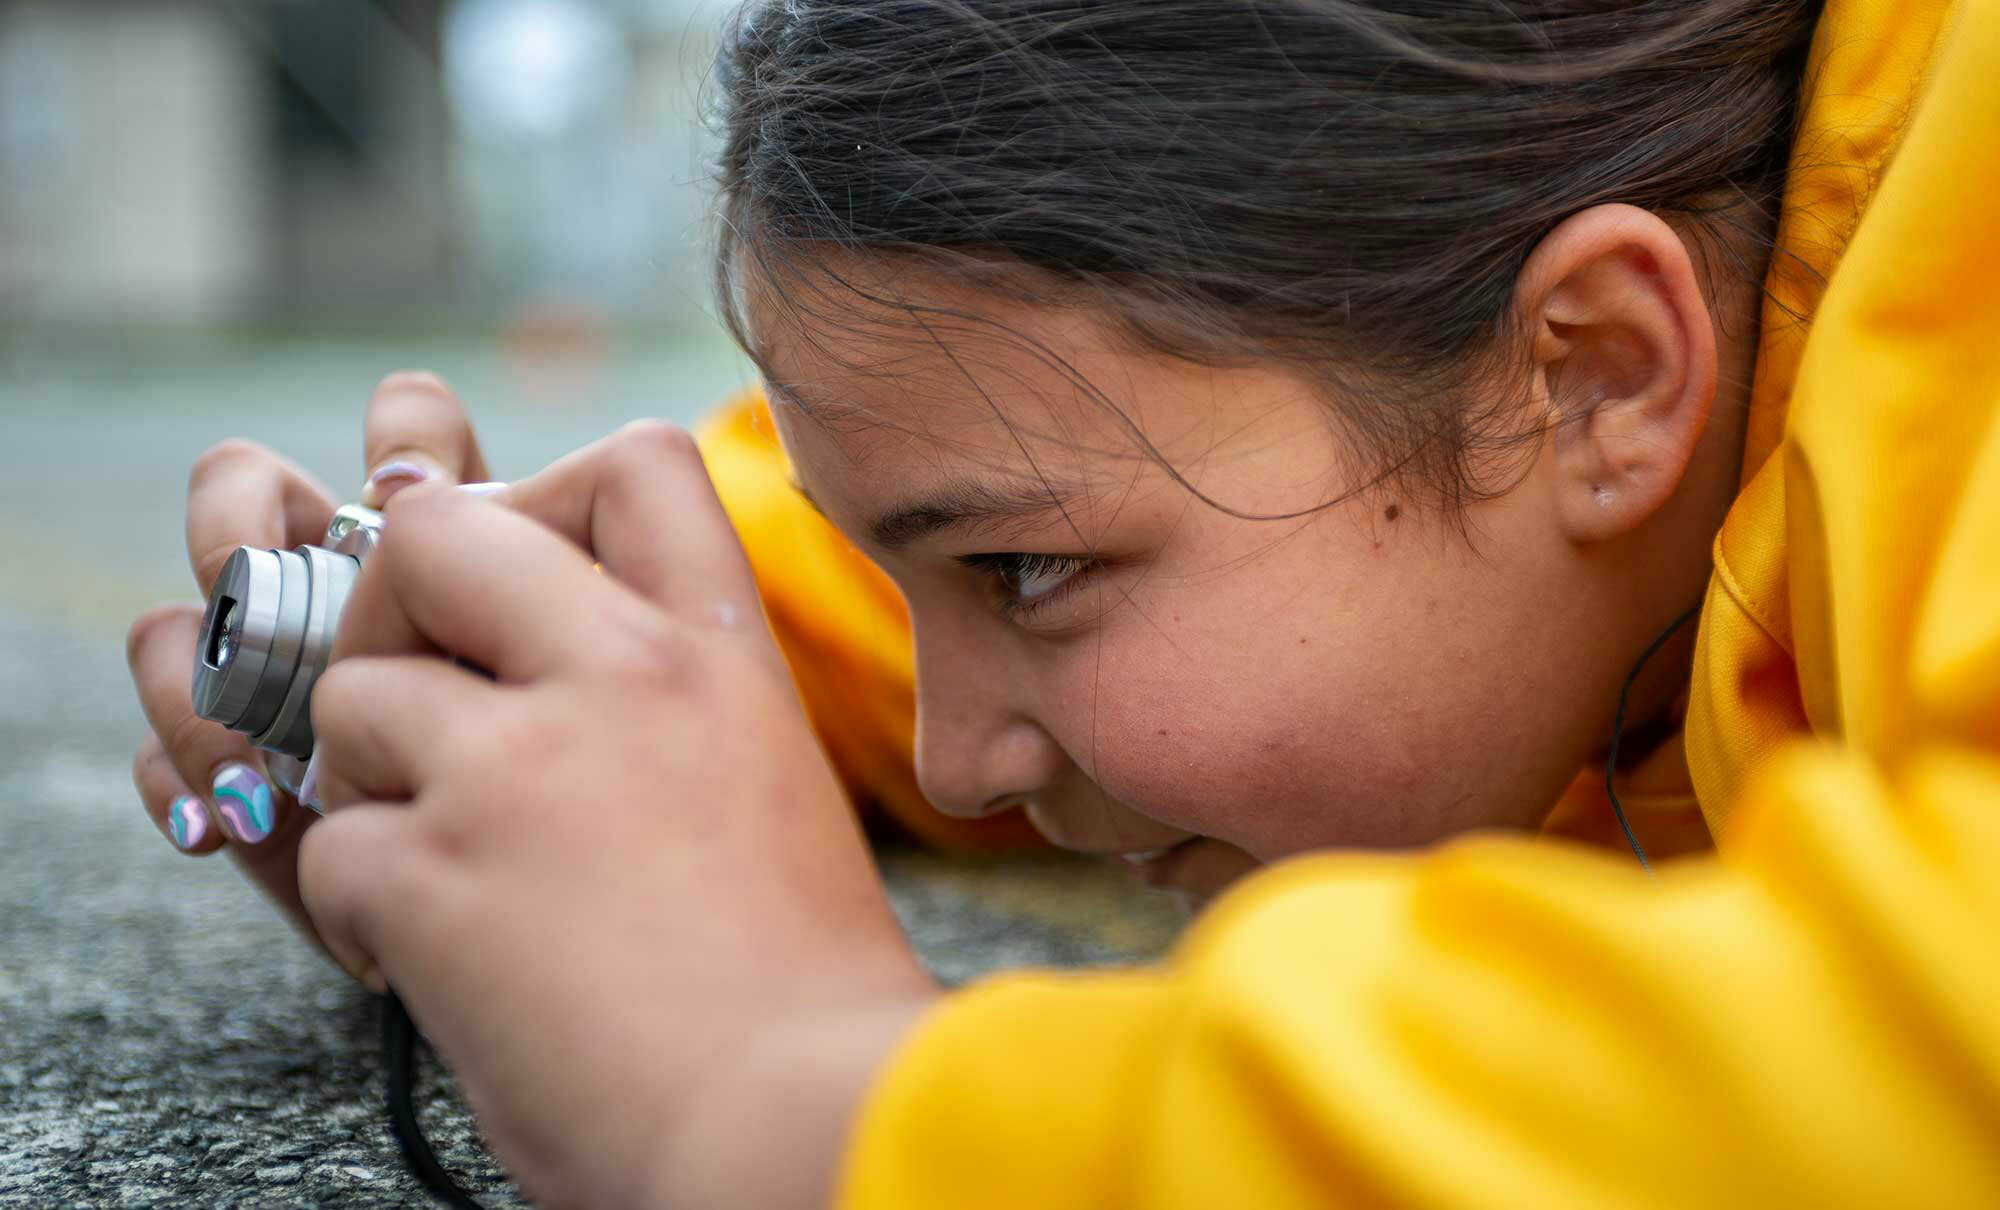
164,1039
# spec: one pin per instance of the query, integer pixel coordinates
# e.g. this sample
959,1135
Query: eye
1029,582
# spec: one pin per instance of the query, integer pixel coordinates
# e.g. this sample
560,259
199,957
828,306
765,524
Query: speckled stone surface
166,1041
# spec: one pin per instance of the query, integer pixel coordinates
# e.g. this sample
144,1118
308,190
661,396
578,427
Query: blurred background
232,217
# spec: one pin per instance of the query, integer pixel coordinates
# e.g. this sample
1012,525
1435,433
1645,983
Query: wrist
769,1126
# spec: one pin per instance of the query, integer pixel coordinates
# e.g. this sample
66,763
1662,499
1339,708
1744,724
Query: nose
978,751
970,772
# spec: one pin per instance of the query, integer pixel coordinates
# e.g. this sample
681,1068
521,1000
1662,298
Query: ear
1624,362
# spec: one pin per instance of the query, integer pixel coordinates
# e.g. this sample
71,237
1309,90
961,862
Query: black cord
399,1055
1618,732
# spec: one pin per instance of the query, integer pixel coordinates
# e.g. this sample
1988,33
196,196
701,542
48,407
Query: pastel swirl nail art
187,822
245,804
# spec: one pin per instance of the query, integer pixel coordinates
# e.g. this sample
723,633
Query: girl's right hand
202,784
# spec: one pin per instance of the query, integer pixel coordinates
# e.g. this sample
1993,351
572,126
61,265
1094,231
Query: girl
1295,428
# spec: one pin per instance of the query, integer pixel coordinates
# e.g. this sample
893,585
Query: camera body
268,632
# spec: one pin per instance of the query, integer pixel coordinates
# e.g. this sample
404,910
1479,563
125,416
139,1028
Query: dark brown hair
1350,186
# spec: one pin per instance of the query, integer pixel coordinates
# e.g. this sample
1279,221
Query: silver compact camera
268,631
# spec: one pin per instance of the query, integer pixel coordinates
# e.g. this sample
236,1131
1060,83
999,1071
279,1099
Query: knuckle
514,737
659,648
651,443
189,735
503,755
142,764
442,840
154,775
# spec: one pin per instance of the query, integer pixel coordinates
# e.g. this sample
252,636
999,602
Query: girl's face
1140,661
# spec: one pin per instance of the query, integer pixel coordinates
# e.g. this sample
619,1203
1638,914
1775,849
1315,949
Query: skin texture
617,884
1360,674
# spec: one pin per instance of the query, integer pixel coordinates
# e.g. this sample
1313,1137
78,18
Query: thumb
417,430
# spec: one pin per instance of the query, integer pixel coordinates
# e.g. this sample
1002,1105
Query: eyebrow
966,506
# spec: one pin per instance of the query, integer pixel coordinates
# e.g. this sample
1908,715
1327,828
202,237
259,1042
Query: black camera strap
399,1062
1618,733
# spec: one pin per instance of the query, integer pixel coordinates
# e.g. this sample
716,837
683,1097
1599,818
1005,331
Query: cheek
1324,694
1273,764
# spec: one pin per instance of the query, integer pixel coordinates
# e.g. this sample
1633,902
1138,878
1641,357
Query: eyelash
1008,570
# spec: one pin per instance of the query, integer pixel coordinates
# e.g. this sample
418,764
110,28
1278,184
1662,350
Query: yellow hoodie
1811,1017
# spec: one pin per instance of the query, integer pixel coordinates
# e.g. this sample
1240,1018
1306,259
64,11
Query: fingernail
309,785
392,477
187,822
246,805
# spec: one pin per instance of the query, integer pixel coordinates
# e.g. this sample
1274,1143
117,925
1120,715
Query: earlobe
1624,364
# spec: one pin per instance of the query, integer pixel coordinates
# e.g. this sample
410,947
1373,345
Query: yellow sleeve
1809,1018
1807,1023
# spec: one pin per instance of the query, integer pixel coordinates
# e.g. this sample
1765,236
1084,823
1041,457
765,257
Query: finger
218,763
377,723
641,502
454,573
416,430
160,649
374,622
241,494
180,815
355,874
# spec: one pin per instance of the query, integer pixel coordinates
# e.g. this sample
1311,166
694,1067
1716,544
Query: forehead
884,380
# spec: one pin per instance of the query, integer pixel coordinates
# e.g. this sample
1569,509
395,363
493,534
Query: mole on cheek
1392,512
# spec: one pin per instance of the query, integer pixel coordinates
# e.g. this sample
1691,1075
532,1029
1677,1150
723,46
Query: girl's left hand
617,884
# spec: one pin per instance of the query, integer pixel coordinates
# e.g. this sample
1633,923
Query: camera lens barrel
266,637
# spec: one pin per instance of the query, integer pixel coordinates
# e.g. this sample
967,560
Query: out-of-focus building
226,161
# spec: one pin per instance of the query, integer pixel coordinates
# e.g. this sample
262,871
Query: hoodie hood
1868,69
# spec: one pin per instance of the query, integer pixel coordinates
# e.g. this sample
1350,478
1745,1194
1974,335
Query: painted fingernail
392,477
309,785
187,822
248,810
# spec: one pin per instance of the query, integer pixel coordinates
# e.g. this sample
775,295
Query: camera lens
265,639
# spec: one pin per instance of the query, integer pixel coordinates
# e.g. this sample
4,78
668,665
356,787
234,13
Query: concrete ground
164,1039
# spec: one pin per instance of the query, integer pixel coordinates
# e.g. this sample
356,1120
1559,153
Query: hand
241,494
616,884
